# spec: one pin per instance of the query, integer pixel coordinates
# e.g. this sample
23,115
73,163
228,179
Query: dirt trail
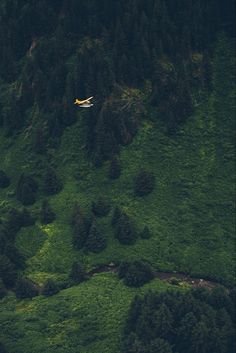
170,277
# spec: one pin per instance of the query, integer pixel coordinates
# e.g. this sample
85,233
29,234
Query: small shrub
4,180
174,281
101,207
50,288
144,183
25,288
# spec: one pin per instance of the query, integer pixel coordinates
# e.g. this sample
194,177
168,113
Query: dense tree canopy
53,52
181,322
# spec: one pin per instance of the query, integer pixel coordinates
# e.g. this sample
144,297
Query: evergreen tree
163,322
96,241
145,234
100,207
116,216
3,291
7,271
26,218
25,289
77,273
4,180
124,231
14,255
144,183
26,189
2,348
137,274
13,222
27,196
80,232
51,184
114,168
3,241
50,288
46,213
160,346
39,137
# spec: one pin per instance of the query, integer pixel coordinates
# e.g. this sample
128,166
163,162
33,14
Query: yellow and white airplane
86,103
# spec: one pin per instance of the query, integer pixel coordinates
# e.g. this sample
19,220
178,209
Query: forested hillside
136,193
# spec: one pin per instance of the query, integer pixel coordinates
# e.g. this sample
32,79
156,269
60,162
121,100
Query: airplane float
86,103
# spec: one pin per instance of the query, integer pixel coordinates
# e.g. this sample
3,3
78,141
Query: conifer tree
2,348
115,168
25,288
144,183
13,222
3,293
80,232
46,213
116,215
26,189
96,241
145,234
14,256
51,184
7,271
50,288
27,196
26,218
124,230
77,273
4,180
137,274
101,207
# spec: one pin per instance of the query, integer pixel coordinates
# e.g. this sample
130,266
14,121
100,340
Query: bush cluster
135,274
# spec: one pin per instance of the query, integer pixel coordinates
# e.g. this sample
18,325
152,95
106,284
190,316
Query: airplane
84,103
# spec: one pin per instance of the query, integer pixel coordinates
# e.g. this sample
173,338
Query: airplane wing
77,101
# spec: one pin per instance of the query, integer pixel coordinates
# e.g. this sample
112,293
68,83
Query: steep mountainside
146,176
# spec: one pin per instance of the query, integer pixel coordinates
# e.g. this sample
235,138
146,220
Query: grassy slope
190,214
88,318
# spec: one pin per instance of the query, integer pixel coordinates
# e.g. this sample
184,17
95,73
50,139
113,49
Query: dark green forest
117,222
